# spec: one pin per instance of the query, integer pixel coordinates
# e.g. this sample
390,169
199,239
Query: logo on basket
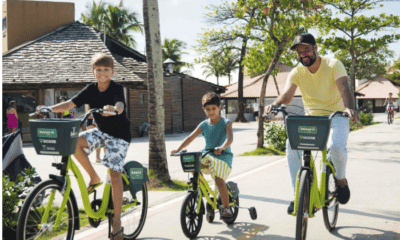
73,133
307,137
53,141
136,173
307,129
46,133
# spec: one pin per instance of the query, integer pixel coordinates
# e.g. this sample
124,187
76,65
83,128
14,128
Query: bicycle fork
317,195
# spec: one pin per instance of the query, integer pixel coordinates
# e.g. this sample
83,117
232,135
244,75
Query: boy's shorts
216,167
116,148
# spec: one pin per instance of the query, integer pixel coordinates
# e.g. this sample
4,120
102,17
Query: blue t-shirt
215,136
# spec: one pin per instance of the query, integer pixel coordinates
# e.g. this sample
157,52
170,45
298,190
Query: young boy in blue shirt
113,131
218,134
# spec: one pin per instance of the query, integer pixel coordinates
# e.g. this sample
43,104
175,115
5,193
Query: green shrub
366,118
11,190
275,135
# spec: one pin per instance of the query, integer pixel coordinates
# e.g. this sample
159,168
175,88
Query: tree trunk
240,115
157,153
260,132
276,85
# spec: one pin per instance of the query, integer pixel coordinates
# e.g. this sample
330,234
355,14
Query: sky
184,20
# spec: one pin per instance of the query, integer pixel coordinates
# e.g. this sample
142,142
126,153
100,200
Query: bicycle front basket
308,132
190,161
55,136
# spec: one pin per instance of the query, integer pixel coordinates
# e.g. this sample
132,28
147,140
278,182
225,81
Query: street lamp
170,65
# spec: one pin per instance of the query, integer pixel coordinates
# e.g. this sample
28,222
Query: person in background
12,117
65,114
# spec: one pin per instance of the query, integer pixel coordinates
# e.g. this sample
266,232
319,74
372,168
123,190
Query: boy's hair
101,59
210,98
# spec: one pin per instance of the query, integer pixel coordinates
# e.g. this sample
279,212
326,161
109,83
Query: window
249,105
232,106
4,24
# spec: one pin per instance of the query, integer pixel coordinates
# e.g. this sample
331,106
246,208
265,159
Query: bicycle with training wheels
308,133
56,215
192,209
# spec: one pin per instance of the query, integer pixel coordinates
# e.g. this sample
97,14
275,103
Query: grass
265,151
159,183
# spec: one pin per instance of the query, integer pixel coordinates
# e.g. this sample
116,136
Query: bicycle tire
303,206
138,214
188,212
331,209
388,117
235,211
33,209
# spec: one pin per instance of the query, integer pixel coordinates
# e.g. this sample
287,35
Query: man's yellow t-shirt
319,90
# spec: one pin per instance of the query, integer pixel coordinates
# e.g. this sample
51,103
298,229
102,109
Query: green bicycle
192,210
51,210
311,133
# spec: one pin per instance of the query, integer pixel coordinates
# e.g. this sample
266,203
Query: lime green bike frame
99,214
317,194
202,190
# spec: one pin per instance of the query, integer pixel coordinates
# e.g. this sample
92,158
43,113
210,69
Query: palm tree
214,67
229,62
173,49
157,152
94,14
119,21
115,21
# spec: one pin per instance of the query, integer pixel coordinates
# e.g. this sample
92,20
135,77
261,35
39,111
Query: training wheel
253,213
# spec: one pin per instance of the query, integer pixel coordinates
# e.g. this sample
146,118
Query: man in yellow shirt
323,83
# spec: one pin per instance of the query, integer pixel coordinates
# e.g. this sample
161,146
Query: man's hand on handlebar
173,152
269,108
353,115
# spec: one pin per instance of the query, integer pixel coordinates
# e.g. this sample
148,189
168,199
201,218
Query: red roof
379,87
252,86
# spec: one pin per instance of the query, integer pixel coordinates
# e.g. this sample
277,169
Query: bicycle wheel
388,118
235,211
133,218
29,223
303,206
191,221
331,209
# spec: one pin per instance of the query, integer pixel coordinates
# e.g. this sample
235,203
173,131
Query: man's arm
347,97
285,98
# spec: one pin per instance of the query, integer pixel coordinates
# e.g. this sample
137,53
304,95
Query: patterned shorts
116,148
216,167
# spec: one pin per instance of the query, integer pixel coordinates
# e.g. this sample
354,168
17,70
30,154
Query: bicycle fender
61,180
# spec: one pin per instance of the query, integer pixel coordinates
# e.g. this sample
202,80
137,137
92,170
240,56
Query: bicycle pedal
315,209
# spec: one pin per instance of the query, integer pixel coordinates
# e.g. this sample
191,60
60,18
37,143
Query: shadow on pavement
348,211
245,230
369,233
395,160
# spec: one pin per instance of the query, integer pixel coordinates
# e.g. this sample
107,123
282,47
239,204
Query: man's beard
310,62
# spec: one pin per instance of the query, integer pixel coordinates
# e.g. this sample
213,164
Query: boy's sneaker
343,193
226,213
290,209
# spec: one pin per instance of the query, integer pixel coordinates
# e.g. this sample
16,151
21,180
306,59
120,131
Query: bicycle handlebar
282,109
208,150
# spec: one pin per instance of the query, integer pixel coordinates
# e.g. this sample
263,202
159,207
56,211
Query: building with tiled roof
252,89
58,64
375,92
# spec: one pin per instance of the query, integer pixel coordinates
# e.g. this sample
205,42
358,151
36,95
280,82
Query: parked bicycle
56,216
308,133
192,210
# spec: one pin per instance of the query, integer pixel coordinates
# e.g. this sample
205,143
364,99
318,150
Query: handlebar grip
33,114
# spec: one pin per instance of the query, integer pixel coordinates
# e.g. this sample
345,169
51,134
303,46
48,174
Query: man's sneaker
343,193
290,209
226,213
